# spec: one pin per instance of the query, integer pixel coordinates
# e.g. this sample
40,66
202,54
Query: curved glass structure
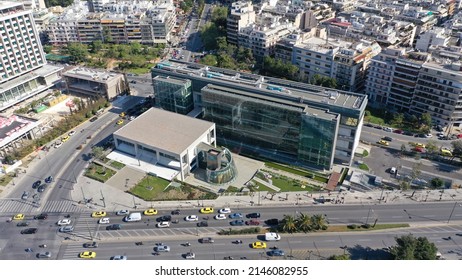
220,166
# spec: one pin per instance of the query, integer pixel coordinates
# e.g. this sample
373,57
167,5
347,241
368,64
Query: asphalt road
360,245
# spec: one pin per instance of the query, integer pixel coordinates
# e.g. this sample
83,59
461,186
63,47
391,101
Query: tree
77,52
210,60
343,257
398,120
416,170
426,120
220,16
135,48
318,222
96,46
97,152
209,35
436,183
431,147
403,148
288,224
457,148
47,48
303,222
410,248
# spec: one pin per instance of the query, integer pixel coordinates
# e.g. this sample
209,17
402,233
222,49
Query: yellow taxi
98,214
259,245
65,138
383,142
207,210
18,217
119,122
420,145
446,152
150,212
87,255
122,114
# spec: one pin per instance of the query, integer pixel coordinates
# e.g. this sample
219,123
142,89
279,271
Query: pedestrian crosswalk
24,206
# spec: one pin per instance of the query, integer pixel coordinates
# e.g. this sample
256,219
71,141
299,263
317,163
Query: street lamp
452,211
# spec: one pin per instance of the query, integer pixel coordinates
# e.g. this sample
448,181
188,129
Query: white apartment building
23,69
241,15
435,37
262,40
346,62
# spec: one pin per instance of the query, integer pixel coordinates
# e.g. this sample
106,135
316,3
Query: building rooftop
165,130
306,93
91,74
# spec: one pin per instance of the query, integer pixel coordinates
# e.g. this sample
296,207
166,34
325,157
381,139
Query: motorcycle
43,246
237,242
139,243
29,250
187,244
274,248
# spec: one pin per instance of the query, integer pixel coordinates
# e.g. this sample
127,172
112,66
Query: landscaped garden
152,188
99,173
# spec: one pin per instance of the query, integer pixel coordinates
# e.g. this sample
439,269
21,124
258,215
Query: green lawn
140,71
99,173
149,187
317,176
287,185
5,180
364,166
262,187
117,165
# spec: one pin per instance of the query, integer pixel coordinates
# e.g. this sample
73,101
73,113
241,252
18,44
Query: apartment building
285,46
435,37
262,39
119,22
342,60
278,119
23,69
418,82
241,15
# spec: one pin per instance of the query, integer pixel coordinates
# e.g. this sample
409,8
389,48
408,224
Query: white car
192,218
190,256
58,144
72,132
64,222
224,211
220,217
104,221
122,212
163,224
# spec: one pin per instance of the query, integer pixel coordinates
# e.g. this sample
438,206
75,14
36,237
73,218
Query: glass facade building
174,95
287,131
278,119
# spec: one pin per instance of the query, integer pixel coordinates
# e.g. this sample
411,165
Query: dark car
90,245
387,138
42,216
408,133
165,218
42,188
93,119
49,179
253,216
36,184
114,227
276,253
29,231
203,224
22,224
206,240
272,222
176,212
398,131
252,223
237,223
368,125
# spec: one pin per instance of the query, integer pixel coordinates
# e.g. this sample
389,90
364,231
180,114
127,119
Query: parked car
122,212
49,179
25,195
44,255
235,216
237,223
114,227
22,224
36,184
388,129
203,224
252,223
165,218
398,131
29,231
42,188
119,258
42,216
272,222
66,229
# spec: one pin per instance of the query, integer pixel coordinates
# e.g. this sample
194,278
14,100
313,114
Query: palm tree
318,222
304,222
288,224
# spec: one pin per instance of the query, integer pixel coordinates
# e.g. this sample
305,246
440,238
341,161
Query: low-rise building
95,83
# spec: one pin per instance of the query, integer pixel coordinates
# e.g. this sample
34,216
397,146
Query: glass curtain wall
174,95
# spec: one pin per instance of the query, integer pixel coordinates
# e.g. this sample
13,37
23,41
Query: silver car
66,229
119,258
44,255
162,248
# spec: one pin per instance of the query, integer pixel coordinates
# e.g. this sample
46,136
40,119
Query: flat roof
165,130
91,74
316,95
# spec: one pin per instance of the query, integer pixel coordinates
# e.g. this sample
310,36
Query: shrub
352,226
